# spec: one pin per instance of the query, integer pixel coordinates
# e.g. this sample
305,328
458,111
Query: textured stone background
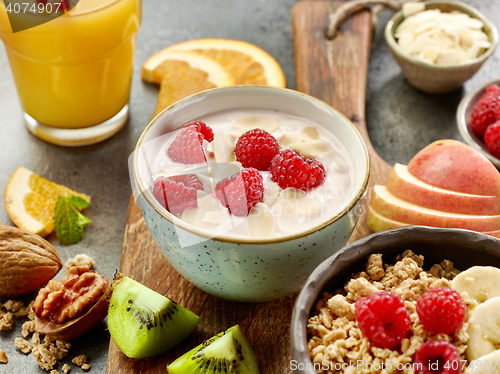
400,121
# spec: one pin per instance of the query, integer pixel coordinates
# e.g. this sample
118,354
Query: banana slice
487,364
484,329
480,282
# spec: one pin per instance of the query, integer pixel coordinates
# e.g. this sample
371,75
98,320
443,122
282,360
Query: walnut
28,261
64,299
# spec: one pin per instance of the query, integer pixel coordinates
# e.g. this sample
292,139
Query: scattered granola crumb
334,336
66,368
23,345
79,360
28,328
3,357
13,305
48,353
85,367
54,372
6,321
79,260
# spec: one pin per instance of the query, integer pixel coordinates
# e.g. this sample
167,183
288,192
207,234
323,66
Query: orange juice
75,70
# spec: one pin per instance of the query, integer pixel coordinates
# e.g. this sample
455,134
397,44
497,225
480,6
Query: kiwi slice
144,323
226,352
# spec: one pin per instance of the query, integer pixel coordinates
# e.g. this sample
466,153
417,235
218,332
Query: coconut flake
268,124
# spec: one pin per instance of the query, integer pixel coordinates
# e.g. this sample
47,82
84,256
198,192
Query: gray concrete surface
400,120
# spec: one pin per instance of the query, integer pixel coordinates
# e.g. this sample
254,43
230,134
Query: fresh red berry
492,138
441,310
483,113
256,149
437,357
204,129
186,147
382,318
240,192
290,169
178,192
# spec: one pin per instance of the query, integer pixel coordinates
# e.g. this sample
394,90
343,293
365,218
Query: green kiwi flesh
227,352
143,322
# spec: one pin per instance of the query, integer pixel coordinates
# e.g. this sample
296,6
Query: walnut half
70,307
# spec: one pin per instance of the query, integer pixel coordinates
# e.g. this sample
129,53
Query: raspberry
441,310
290,169
483,113
492,138
437,357
256,149
187,148
382,318
178,192
240,192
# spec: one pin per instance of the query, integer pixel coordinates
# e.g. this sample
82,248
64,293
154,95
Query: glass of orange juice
73,69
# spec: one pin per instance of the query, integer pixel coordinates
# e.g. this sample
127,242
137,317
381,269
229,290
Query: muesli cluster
339,344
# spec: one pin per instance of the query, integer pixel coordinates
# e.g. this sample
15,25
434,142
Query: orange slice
30,200
183,73
245,62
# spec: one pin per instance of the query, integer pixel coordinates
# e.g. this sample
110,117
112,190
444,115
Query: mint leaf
68,221
79,202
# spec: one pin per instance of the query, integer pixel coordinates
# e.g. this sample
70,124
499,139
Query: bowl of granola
246,189
338,318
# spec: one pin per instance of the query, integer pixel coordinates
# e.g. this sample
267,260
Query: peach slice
396,209
403,184
378,222
453,165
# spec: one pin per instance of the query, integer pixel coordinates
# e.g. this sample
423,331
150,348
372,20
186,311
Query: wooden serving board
334,71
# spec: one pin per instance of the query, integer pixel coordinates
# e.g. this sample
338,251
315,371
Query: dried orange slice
245,62
183,73
30,200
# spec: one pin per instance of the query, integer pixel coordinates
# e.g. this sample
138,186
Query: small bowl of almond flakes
440,44
401,266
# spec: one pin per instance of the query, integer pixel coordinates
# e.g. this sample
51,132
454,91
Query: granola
336,342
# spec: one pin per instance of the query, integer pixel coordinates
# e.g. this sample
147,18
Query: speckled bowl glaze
246,269
463,247
436,79
464,111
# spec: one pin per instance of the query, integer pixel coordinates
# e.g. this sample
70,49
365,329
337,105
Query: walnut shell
28,261
78,325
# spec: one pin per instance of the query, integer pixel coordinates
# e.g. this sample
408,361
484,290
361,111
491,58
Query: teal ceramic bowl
249,269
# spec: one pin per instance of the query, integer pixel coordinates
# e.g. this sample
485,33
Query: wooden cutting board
334,71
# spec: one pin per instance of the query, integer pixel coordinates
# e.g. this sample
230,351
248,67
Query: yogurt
282,211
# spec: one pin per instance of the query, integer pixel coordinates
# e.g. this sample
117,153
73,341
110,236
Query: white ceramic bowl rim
462,121
142,189
389,36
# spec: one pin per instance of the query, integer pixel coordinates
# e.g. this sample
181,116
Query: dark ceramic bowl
465,248
464,111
